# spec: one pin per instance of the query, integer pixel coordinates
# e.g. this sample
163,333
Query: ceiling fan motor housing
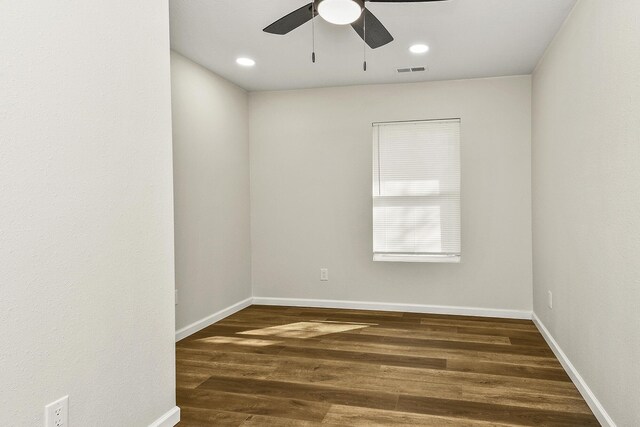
359,2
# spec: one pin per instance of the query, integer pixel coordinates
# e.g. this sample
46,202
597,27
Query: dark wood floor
280,366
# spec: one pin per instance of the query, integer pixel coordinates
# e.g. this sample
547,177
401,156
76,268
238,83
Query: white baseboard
595,405
169,419
409,308
210,320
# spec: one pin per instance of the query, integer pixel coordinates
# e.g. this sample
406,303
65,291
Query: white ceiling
468,39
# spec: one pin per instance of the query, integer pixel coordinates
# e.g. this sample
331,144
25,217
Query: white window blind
416,191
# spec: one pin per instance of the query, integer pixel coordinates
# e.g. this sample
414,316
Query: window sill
417,258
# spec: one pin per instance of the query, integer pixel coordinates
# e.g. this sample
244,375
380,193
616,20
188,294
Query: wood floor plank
308,392
452,321
263,421
497,331
406,380
339,415
190,379
320,369
420,387
317,371
560,388
446,344
253,405
535,340
508,369
364,357
207,368
296,366
346,312
271,348
493,412
477,319
401,333
199,417
385,349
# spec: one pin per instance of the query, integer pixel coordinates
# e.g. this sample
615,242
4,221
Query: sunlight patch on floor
304,329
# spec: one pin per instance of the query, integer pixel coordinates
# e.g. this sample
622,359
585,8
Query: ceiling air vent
411,69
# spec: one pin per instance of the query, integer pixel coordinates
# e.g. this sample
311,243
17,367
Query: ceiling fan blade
291,21
402,1
377,34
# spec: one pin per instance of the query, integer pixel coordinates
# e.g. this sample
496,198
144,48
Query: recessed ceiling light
419,48
246,62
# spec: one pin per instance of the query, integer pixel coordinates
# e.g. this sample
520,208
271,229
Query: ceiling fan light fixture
340,12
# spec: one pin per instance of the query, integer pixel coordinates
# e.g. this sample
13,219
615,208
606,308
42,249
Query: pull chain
364,45
313,32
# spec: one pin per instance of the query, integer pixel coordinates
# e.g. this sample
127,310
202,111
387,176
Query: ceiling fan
341,12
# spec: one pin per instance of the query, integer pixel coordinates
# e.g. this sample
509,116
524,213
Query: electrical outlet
57,413
324,274
550,299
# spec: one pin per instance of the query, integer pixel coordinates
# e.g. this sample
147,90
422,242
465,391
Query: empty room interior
337,213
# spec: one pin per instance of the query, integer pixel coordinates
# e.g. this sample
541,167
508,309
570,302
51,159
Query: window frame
417,257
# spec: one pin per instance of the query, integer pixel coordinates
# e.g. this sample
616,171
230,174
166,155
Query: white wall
311,194
586,198
86,223
211,170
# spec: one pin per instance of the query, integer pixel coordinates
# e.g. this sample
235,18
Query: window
416,191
